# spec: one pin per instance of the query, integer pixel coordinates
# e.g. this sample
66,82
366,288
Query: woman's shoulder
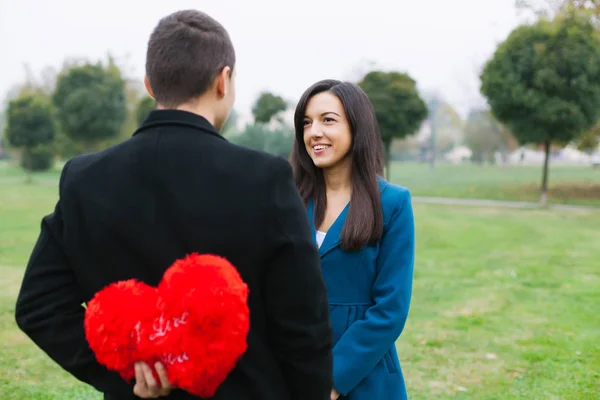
393,196
396,204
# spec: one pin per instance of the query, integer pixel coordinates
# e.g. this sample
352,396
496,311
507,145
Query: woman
364,229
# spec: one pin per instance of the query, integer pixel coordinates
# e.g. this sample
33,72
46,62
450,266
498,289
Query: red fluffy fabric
195,323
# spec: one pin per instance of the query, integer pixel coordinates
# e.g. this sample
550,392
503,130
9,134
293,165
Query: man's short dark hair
186,51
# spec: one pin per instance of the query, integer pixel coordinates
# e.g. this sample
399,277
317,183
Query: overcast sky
281,46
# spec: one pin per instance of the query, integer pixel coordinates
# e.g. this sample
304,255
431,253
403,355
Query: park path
416,199
20,179
498,203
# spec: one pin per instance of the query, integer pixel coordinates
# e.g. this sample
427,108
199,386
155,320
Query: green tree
29,127
450,127
446,126
482,136
90,102
2,138
543,82
278,141
399,108
591,6
508,142
38,158
485,136
230,127
281,141
267,106
253,136
590,140
553,7
143,108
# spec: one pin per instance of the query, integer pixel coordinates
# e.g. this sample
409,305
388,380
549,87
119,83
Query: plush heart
195,323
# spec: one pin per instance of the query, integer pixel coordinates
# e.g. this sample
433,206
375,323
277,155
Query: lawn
9,171
504,306
567,184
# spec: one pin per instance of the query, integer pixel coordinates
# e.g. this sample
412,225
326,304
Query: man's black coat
174,188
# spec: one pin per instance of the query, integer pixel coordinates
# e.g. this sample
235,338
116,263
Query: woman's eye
329,119
306,123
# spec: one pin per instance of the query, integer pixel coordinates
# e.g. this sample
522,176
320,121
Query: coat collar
158,118
333,236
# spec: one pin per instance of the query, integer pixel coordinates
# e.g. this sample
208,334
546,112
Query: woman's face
327,134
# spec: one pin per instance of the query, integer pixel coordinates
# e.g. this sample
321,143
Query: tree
281,141
230,127
29,127
398,106
541,8
508,142
143,108
90,102
590,140
278,141
449,127
267,105
253,136
2,123
446,127
38,158
543,82
483,135
551,7
589,9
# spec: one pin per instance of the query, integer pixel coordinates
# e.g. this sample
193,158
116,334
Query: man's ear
148,87
223,82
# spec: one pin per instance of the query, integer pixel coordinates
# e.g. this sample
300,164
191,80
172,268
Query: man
177,187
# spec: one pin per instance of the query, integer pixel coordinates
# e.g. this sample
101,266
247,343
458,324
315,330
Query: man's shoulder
76,166
253,166
258,155
266,164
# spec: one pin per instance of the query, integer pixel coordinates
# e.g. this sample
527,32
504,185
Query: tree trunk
387,158
27,164
433,136
504,155
544,197
432,146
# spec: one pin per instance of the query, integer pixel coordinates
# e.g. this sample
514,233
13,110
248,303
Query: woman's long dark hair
364,223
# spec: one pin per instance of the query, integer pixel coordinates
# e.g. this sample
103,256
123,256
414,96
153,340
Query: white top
320,237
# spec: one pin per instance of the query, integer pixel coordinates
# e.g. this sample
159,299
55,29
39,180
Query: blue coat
369,293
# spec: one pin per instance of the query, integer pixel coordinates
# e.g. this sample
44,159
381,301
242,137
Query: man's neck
194,108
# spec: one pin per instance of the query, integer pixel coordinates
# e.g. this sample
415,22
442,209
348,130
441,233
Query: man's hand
334,394
146,386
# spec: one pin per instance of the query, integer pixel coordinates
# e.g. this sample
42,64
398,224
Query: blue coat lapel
332,238
311,220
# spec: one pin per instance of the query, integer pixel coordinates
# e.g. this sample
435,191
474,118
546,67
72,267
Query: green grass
26,372
576,185
504,306
567,184
12,170
21,209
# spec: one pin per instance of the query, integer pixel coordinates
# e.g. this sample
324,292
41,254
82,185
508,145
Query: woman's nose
315,130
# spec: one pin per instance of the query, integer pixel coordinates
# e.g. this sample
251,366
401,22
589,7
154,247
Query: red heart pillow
195,323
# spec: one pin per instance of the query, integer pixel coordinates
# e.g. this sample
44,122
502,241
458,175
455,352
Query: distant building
3,154
458,155
569,155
